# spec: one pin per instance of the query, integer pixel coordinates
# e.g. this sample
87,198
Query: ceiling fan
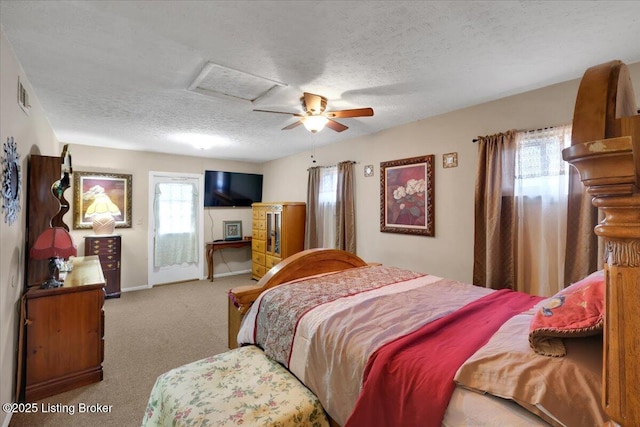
316,118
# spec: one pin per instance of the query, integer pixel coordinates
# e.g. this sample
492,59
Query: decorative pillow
563,391
576,311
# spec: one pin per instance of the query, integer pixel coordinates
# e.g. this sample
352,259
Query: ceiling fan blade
292,125
280,112
338,127
356,112
313,103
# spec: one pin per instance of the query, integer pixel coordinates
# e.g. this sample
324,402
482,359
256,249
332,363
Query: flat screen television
231,188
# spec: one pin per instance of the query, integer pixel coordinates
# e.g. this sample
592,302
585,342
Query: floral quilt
238,387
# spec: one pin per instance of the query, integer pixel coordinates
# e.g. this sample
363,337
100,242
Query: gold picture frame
117,187
407,196
450,160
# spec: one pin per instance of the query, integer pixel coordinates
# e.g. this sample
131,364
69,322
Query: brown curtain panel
313,191
581,256
345,208
495,223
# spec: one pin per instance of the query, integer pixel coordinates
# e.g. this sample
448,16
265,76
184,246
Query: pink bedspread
280,312
409,381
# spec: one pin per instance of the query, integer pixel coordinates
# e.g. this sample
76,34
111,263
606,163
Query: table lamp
53,243
101,211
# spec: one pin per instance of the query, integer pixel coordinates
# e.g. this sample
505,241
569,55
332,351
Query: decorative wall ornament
407,196
12,181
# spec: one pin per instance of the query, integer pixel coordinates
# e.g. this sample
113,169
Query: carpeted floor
147,333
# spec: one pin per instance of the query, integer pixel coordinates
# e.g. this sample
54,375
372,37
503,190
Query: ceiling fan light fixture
314,123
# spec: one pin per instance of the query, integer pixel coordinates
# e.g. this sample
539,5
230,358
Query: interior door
177,270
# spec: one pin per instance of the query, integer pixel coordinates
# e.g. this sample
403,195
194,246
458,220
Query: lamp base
104,224
51,283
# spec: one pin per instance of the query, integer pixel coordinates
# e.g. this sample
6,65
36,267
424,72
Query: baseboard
143,287
232,273
137,288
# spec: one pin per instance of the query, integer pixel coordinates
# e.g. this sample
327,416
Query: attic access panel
228,83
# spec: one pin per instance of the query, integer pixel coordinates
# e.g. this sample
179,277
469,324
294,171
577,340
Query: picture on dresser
98,195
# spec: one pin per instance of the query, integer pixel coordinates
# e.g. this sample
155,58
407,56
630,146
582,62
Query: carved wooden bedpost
606,151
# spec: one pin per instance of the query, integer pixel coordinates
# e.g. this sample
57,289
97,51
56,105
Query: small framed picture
232,230
450,160
368,170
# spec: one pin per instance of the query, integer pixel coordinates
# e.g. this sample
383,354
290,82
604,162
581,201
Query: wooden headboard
605,149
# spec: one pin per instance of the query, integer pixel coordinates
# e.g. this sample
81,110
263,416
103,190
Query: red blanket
409,381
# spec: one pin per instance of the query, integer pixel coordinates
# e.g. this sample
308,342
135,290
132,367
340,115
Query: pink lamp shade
54,242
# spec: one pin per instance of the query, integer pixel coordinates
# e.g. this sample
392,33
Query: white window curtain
541,192
176,233
326,213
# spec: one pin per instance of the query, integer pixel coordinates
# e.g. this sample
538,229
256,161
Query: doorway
176,237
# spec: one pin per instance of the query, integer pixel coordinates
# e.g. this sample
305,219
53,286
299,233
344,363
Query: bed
418,363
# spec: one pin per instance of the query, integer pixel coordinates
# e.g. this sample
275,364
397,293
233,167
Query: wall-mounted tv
231,188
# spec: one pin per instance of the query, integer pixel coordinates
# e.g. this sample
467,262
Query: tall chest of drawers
107,248
277,233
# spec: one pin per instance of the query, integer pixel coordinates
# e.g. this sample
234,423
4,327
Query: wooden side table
223,244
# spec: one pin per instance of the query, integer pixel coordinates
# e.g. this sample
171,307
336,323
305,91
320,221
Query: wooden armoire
277,233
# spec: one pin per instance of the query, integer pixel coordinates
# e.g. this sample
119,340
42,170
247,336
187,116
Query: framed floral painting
407,196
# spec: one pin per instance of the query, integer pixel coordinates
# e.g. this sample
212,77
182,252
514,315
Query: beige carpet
147,333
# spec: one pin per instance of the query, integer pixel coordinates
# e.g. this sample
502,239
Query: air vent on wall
231,84
23,98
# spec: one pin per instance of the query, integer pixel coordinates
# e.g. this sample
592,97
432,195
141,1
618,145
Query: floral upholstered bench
239,387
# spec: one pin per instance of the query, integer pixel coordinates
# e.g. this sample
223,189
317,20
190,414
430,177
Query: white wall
450,252
33,135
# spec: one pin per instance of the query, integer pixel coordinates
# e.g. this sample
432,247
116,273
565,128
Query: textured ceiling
118,73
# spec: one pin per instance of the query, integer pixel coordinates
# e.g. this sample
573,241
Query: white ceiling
116,73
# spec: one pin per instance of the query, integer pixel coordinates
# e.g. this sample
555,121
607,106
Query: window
328,185
540,169
541,193
175,205
327,206
176,229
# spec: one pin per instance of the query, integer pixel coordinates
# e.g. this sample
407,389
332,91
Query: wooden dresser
108,249
277,233
63,333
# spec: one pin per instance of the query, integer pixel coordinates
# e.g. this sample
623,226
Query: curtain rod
353,162
530,130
